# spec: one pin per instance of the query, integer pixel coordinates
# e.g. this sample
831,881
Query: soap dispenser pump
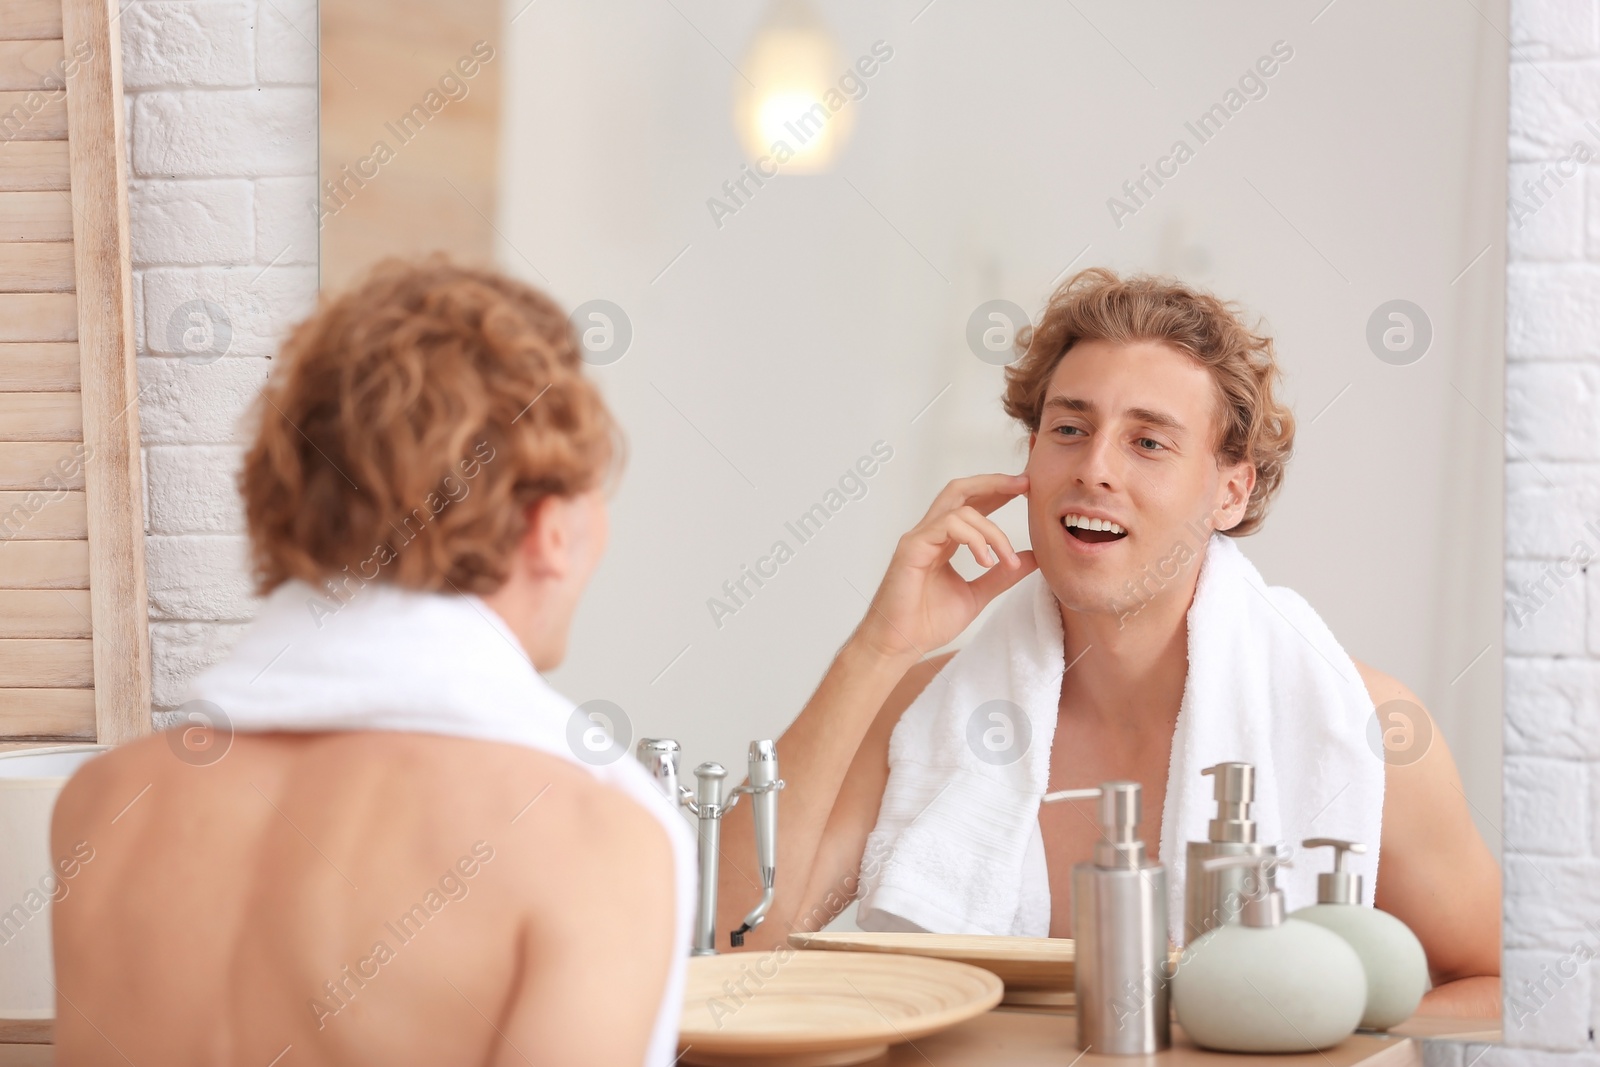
1267,983
1396,966
1119,918
1211,897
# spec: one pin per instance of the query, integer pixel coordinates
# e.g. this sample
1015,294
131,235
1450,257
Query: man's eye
1150,444
1069,429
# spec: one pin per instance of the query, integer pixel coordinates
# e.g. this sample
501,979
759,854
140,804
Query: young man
1153,433
371,841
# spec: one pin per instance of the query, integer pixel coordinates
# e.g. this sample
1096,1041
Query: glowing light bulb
783,112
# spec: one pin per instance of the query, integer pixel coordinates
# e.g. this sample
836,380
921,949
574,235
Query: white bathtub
30,780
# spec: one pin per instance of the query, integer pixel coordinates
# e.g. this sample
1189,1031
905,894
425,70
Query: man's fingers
958,531
997,580
991,532
941,536
986,492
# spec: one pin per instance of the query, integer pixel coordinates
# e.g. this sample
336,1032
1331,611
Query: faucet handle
660,757
763,789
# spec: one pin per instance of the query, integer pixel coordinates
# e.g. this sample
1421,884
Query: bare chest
1080,757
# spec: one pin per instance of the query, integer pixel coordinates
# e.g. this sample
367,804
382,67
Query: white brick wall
222,140
1552,729
223,150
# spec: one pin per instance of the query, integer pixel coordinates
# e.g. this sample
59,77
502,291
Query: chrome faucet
708,803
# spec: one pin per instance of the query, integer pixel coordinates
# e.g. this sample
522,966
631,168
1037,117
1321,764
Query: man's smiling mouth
1092,531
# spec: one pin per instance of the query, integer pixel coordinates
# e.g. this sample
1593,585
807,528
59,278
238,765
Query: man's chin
1078,593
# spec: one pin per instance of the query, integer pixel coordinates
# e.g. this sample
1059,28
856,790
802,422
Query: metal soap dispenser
1211,897
708,803
1119,918
1267,983
1396,966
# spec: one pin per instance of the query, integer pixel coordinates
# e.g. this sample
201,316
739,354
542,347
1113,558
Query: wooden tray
822,1009
1038,964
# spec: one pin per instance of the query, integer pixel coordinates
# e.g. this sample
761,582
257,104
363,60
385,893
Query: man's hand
923,602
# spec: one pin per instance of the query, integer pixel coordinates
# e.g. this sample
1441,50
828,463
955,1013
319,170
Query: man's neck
1129,669
526,608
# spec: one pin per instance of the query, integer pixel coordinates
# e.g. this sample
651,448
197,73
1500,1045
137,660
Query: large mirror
762,319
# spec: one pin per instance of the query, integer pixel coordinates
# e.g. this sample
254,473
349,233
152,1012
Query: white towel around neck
396,659
957,847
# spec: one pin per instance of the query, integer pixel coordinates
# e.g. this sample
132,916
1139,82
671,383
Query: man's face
1127,436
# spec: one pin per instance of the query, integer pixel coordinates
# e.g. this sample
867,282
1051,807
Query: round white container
30,780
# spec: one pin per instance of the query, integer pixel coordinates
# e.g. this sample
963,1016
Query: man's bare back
341,897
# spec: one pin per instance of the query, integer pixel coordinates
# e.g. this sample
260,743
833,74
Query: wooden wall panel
39,368
31,165
30,19
38,317
32,115
33,515
113,489
44,565
49,466
36,266
35,215
71,506
41,417
48,613
439,191
49,714
29,64
46,664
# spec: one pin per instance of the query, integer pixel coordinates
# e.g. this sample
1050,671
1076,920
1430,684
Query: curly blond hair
408,426
1096,304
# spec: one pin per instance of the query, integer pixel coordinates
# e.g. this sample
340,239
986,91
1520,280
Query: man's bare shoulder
1382,687
1425,806
1411,738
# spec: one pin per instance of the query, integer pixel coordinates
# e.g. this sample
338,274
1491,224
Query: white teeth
1091,524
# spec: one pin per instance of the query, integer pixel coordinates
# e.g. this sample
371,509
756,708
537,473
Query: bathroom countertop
1019,1037
1027,1037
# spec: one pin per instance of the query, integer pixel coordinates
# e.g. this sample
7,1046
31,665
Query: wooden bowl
816,1009
1039,964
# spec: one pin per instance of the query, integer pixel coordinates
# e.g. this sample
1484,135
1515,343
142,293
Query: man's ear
1233,495
546,547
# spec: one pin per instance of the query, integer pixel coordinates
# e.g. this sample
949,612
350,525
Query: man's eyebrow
1144,415
1156,418
1071,403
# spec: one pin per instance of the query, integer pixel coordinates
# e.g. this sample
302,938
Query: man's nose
1099,469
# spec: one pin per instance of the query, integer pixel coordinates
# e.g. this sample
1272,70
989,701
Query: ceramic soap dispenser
1396,966
1267,983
